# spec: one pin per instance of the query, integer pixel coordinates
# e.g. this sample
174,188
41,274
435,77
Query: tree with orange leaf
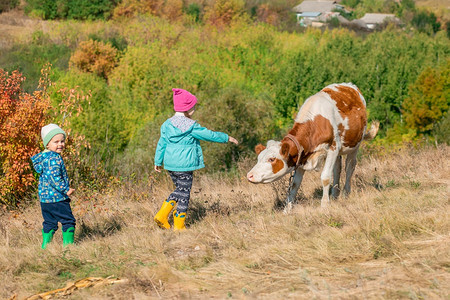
21,117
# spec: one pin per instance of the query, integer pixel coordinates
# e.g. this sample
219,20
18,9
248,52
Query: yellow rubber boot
162,217
178,221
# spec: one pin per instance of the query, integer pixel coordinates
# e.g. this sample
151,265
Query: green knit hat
49,131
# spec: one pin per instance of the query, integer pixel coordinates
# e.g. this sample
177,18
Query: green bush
71,9
98,121
90,9
428,99
194,10
426,22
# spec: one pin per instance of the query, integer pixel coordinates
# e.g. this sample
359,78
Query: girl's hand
233,140
158,169
70,192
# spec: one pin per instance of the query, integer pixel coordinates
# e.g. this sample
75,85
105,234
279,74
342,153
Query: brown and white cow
329,124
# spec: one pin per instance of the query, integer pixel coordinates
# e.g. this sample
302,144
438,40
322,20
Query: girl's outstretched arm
203,133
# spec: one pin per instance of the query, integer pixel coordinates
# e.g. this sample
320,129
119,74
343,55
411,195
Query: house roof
378,18
309,14
315,6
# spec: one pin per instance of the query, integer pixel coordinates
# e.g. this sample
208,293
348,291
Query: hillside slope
388,240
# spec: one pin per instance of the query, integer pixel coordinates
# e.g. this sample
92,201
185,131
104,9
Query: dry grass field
388,240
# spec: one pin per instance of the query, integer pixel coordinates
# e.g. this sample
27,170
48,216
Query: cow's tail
372,132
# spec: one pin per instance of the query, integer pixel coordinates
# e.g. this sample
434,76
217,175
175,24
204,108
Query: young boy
54,190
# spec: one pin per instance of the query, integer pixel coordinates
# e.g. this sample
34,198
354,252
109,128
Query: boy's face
57,143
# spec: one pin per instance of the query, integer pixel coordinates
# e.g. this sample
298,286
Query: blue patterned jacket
53,179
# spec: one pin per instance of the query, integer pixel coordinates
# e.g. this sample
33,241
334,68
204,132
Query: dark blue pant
57,212
182,193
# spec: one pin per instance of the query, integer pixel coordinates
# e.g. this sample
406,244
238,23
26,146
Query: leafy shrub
71,9
21,117
235,111
194,10
274,12
426,22
265,14
131,8
97,119
94,57
45,9
428,99
172,9
223,12
114,39
90,9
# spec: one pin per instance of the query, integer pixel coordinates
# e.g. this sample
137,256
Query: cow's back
343,106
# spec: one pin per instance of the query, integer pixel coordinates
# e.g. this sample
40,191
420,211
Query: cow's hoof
287,208
325,204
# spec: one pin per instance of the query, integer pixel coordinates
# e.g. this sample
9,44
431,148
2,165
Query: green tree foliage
194,10
382,65
351,3
426,22
428,99
71,9
90,9
98,120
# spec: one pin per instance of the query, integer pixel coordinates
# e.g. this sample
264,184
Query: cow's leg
335,189
297,180
350,164
332,155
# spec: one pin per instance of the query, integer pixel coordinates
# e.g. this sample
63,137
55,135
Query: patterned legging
182,193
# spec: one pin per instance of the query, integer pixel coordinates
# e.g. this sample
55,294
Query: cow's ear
259,148
284,150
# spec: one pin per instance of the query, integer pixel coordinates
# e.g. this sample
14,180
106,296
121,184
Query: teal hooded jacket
179,144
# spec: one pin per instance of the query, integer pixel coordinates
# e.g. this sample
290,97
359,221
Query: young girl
54,190
179,149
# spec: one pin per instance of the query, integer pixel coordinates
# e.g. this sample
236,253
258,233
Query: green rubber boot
47,238
68,236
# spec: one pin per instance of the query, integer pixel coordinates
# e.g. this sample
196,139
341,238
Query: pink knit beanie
183,100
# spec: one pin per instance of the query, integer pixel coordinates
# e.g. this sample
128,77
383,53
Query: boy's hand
233,140
158,169
70,192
